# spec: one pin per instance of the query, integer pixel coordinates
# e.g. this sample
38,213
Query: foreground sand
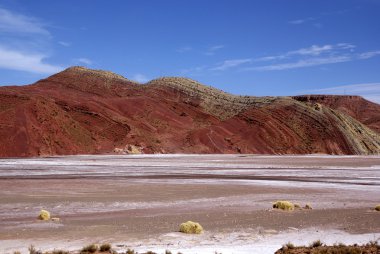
139,201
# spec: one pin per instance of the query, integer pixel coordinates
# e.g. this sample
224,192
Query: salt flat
138,201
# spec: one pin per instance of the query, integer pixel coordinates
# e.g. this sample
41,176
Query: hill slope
83,111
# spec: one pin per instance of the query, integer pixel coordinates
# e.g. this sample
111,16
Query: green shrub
284,205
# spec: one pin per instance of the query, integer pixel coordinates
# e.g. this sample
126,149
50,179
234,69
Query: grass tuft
284,205
316,244
44,215
130,251
105,247
60,252
92,248
308,206
32,250
191,227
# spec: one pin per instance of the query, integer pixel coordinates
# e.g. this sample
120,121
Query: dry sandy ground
139,201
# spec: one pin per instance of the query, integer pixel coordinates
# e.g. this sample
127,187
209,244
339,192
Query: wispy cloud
13,23
302,63
228,64
301,21
84,60
64,43
212,50
21,61
370,91
26,44
314,50
140,78
312,56
369,54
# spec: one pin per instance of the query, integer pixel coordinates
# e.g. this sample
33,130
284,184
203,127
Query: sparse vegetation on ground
283,205
377,208
92,248
317,247
308,206
191,227
44,215
105,247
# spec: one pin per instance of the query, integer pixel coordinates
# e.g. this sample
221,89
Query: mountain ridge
84,111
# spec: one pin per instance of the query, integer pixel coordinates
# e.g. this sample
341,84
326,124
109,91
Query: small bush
44,215
151,252
89,249
191,227
377,208
289,245
297,206
284,205
130,251
316,244
17,252
32,250
308,207
105,247
168,252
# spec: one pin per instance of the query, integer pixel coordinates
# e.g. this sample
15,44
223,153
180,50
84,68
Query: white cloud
370,91
84,60
25,44
29,62
140,78
301,21
64,43
216,47
314,50
302,63
14,23
313,56
227,64
369,54
211,51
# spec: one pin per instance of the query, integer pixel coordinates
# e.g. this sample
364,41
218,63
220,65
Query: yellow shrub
44,215
284,205
377,208
191,227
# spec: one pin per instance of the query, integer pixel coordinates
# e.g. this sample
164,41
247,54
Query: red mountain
83,111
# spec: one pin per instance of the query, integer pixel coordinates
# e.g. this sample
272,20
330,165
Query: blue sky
249,47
